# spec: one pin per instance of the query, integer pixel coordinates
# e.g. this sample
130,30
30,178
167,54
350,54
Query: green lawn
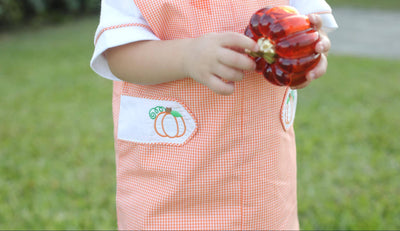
348,144
373,4
56,155
56,146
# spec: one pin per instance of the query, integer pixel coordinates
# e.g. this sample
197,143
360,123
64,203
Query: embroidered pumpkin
167,119
287,45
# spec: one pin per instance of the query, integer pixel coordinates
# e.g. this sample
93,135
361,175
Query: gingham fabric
237,171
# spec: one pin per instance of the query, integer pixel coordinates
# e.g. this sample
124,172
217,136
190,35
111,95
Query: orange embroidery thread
175,115
118,27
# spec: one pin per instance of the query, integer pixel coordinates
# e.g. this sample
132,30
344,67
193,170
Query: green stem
267,50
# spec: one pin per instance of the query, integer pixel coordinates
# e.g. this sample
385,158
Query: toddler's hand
217,60
322,47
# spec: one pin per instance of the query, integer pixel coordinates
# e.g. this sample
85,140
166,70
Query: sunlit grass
348,144
56,155
369,4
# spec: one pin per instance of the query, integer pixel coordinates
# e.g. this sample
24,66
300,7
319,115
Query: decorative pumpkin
160,114
287,45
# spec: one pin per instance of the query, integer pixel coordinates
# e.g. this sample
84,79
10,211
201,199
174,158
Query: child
203,142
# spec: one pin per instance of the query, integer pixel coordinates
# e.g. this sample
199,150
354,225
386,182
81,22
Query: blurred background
57,167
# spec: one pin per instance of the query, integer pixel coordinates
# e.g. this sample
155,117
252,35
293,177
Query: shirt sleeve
320,7
120,23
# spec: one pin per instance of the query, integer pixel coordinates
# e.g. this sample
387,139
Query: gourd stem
267,50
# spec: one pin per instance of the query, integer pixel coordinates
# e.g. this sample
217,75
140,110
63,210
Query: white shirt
117,14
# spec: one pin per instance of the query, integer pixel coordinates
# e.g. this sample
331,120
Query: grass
372,4
56,155
347,135
57,160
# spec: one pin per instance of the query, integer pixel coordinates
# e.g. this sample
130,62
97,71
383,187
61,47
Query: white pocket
151,121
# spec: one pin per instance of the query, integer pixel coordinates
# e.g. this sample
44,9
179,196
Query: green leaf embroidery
292,94
155,111
176,114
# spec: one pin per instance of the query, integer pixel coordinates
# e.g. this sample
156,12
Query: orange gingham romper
236,168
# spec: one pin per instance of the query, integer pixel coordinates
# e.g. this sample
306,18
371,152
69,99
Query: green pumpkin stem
267,50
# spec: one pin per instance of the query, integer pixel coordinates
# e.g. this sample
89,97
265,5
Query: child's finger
324,45
219,86
228,73
319,70
232,39
316,21
303,85
235,60
315,73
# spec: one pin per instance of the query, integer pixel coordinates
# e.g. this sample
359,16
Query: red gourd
287,45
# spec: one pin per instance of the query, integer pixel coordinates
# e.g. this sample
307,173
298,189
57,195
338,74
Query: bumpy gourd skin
289,40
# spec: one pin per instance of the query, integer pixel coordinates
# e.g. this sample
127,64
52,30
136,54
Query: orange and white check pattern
238,172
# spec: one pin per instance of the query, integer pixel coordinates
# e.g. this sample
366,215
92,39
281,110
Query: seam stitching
118,27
